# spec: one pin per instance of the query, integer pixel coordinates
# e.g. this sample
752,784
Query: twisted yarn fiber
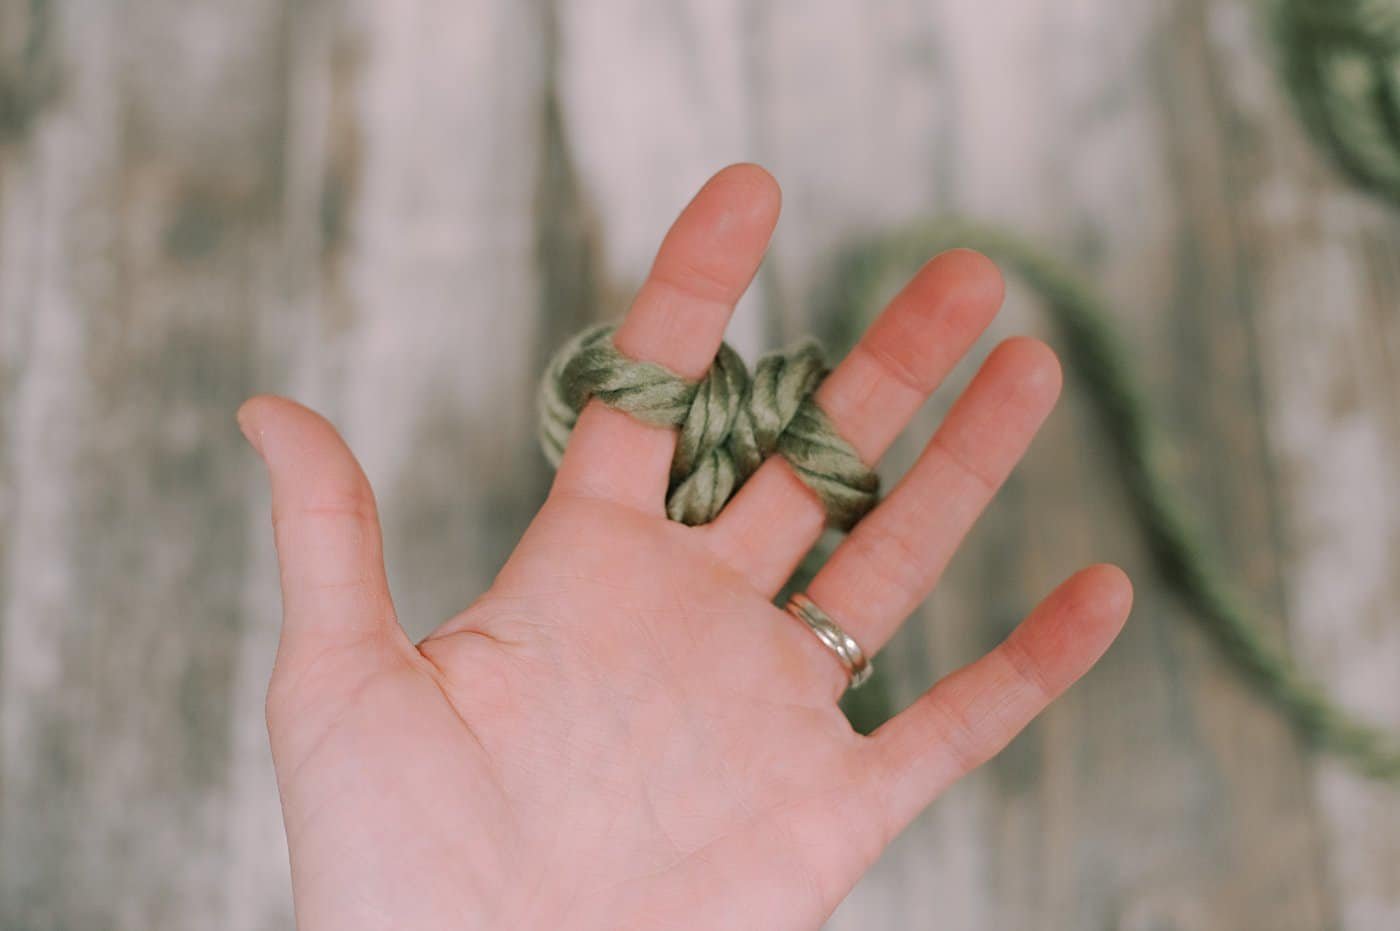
1341,59
729,422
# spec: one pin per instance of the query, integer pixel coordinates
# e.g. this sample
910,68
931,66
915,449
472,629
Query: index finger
704,265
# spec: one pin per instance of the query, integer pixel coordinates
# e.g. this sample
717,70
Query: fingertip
737,208
258,409
757,186
249,422
1114,588
1036,367
1079,620
950,301
1089,609
263,416
295,441
972,273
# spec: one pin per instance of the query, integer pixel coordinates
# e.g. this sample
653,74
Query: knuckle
893,558
957,735
696,280
1027,670
345,500
965,464
903,361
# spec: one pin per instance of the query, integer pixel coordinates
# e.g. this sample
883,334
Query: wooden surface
394,211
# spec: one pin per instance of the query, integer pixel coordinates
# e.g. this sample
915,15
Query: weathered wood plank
1324,263
1223,779
137,210
298,304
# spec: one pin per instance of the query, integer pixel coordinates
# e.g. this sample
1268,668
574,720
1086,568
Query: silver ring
831,635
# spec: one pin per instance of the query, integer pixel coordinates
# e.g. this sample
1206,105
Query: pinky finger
969,716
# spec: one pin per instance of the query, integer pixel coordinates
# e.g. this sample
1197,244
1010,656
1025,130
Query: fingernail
250,431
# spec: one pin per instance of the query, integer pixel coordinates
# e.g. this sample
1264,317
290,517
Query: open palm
624,731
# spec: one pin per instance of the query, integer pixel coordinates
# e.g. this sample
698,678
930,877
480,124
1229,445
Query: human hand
624,731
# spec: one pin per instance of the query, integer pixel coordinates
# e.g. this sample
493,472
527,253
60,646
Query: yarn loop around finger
728,422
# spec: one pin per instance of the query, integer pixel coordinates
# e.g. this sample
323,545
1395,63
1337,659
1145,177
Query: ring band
831,635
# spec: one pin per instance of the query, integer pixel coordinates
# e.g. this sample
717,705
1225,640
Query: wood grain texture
395,211
1325,265
136,217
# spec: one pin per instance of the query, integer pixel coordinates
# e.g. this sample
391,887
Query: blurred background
395,211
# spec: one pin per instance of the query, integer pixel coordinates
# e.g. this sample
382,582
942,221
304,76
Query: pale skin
624,731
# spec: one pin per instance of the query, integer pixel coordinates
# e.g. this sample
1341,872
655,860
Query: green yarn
1341,60
728,422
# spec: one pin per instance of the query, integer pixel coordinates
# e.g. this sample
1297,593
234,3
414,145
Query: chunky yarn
1341,59
728,422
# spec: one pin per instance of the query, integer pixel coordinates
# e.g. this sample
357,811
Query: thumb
334,590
